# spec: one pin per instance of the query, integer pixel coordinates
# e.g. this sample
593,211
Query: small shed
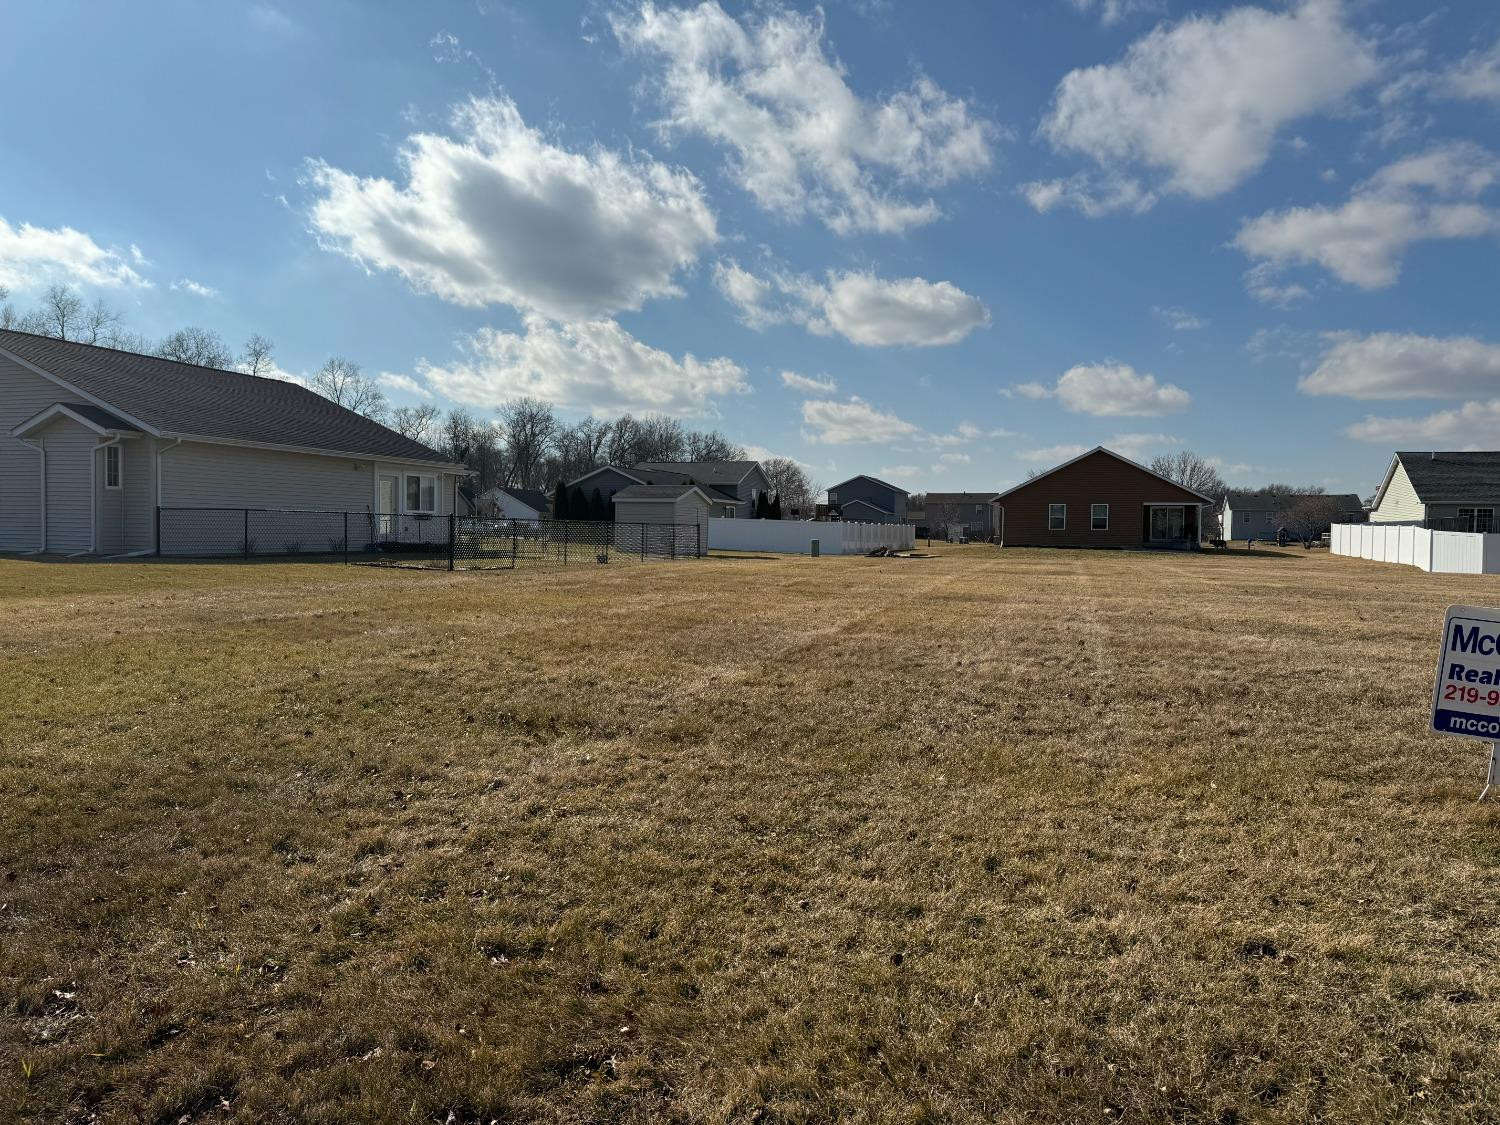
683,505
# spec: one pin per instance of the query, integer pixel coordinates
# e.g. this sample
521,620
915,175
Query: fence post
566,525
452,526
671,543
247,533
515,543
643,542
346,538
158,531
698,535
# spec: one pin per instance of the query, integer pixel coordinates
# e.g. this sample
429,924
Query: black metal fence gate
429,542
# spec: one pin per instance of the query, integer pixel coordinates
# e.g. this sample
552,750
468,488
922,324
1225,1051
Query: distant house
731,487
1446,491
680,504
868,499
514,504
94,440
1100,499
950,515
1257,515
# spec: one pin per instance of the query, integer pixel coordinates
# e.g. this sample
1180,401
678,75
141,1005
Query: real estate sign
1466,696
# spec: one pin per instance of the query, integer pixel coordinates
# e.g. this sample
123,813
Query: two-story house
868,499
732,487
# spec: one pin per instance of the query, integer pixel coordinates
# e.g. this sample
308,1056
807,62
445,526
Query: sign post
1466,692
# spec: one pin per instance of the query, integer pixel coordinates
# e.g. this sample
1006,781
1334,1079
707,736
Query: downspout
41,448
156,523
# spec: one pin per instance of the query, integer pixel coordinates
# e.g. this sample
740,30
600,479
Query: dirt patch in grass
1025,835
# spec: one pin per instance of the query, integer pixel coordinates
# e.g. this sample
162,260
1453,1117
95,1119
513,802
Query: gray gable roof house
94,440
731,487
514,503
1457,491
868,499
1257,514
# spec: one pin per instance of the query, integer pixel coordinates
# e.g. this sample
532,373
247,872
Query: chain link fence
430,542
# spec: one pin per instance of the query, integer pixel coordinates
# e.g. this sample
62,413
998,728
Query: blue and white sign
1466,696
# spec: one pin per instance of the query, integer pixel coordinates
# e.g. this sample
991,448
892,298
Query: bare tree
256,359
340,380
201,346
100,324
711,445
529,427
944,515
474,443
60,314
1308,517
416,422
1191,471
788,480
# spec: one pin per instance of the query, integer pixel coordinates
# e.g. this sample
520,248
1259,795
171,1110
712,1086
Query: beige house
94,442
1447,491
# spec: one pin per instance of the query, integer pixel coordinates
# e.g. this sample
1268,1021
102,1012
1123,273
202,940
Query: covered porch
1172,527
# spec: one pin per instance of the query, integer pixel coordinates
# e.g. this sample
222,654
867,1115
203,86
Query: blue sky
943,242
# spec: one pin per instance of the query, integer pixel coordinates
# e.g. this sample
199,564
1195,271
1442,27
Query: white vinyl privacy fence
1442,552
795,536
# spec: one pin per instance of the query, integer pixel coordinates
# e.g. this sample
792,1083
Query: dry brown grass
992,836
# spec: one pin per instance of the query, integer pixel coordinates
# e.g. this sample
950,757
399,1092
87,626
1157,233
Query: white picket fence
794,537
1441,552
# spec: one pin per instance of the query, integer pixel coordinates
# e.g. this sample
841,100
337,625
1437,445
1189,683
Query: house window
1477,519
111,466
1098,517
1057,517
833,499
728,512
421,493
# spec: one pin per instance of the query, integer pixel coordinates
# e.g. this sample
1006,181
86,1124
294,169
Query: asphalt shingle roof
533,498
99,416
1280,502
654,491
702,472
1453,476
187,400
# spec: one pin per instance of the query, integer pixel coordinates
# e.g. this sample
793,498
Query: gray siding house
681,504
731,487
868,499
93,440
1447,491
950,514
1257,515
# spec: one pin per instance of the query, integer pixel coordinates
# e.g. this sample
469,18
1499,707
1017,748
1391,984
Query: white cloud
954,458
1092,195
822,385
1132,445
588,365
497,214
1476,77
1110,390
197,289
1200,102
1362,241
1393,365
394,381
864,309
802,142
1112,12
1264,283
855,422
889,471
878,313
1473,425
1178,319
31,257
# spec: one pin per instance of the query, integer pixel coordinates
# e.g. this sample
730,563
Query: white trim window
1057,517
421,494
1098,517
111,466
1477,519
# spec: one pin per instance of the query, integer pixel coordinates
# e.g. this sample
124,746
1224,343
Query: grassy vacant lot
992,836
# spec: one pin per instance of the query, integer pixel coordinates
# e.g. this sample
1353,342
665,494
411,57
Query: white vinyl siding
23,394
202,475
70,499
1400,504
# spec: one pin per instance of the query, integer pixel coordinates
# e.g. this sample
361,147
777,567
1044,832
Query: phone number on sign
1472,695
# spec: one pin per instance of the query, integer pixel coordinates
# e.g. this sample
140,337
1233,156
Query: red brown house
1100,499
